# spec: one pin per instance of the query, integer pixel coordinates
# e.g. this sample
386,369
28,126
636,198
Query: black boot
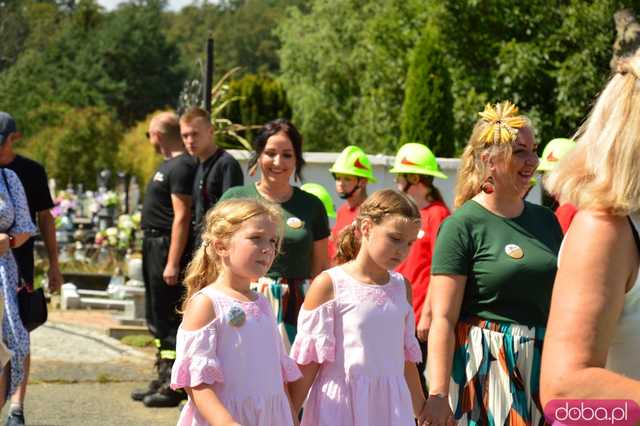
154,385
164,396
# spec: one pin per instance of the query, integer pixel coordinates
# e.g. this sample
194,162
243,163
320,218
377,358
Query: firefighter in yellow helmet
323,195
352,172
555,151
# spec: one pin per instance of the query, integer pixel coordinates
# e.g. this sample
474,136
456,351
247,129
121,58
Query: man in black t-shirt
36,186
217,169
166,219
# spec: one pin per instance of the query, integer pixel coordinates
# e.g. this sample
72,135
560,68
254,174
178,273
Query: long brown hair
434,193
220,224
271,128
378,206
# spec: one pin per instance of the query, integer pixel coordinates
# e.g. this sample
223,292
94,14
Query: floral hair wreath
503,123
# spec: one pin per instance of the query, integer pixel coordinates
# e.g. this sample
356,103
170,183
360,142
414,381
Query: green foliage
136,54
581,51
75,144
13,32
551,58
119,60
66,71
427,113
343,67
138,340
242,32
344,63
260,99
136,155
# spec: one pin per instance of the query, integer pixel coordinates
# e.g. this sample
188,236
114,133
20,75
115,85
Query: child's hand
437,412
421,417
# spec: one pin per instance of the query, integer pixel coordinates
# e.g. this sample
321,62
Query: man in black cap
166,220
34,180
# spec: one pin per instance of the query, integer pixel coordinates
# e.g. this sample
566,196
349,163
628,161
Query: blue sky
173,4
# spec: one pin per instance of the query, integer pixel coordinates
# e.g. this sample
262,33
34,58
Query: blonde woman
593,338
492,276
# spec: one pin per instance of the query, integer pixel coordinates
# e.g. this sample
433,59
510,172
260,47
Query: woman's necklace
273,198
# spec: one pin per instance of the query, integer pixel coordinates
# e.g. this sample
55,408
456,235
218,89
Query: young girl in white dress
230,359
356,343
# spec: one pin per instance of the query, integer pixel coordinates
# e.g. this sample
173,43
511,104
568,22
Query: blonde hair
493,134
194,113
603,171
377,207
220,224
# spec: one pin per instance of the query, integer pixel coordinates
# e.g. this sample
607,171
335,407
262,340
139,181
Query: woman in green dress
278,156
492,275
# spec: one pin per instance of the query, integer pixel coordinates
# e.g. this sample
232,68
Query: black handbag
32,303
33,307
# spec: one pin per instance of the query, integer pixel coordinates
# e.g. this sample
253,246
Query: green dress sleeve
453,250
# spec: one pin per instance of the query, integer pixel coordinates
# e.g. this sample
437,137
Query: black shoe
139,394
16,418
164,397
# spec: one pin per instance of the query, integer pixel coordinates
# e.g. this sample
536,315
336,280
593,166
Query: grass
103,378
138,340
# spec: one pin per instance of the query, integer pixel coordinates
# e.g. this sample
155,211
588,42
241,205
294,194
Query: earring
488,187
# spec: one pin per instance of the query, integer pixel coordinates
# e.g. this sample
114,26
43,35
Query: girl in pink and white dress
356,342
229,356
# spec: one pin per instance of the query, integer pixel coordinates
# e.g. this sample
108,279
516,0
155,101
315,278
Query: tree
260,99
242,31
135,53
13,32
75,144
135,154
66,69
427,113
120,60
343,67
551,58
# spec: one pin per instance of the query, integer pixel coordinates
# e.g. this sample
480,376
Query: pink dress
246,365
362,338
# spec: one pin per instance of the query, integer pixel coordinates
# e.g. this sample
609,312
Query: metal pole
208,78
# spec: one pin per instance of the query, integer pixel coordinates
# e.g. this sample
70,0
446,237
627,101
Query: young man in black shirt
36,185
217,169
166,219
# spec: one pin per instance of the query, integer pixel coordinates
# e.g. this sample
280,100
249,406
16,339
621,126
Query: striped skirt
496,374
286,297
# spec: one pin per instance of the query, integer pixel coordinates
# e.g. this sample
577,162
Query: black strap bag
32,303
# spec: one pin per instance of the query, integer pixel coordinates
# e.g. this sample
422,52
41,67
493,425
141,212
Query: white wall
318,164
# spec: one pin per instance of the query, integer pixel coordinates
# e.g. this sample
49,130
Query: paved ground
81,377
